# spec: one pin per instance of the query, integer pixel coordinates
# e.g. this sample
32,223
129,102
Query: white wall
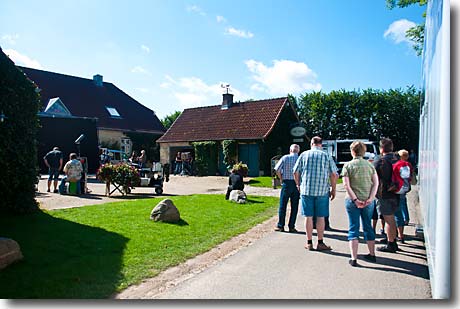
434,153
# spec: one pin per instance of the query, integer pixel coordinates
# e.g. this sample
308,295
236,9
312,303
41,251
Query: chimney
227,100
97,79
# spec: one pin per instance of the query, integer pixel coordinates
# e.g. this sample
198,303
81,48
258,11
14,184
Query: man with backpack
387,199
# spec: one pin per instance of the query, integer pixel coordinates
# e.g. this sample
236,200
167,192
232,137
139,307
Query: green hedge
19,101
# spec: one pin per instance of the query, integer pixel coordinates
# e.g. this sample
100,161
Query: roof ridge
238,102
56,73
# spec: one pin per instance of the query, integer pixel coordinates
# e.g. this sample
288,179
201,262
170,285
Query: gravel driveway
177,185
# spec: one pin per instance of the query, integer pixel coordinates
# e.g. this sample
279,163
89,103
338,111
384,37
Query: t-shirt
53,157
359,172
385,173
236,181
73,170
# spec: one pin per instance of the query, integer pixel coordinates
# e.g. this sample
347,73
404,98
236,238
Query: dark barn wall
279,140
62,132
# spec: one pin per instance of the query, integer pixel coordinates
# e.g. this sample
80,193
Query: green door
249,154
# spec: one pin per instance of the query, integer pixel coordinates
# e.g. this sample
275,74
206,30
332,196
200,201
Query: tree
369,114
168,120
417,33
20,103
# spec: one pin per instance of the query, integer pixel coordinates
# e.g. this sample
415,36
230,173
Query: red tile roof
246,120
84,99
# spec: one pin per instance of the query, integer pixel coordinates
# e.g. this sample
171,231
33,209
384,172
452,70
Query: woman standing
361,182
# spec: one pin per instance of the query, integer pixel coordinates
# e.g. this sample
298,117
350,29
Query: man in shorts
53,160
312,173
387,201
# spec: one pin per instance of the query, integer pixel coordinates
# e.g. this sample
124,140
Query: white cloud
220,19
239,33
143,90
140,70
194,92
145,48
10,38
397,31
196,9
21,59
285,76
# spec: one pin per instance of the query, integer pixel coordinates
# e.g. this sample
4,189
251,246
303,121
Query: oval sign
298,131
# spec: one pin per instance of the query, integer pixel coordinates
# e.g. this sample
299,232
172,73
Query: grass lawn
95,251
262,181
266,181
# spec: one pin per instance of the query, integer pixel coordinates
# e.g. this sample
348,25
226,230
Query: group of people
140,161
182,164
372,190
73,170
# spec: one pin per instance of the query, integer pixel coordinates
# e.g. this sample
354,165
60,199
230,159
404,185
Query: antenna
225,86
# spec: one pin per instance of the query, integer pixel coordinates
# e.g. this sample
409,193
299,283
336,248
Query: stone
10,252
165,211
238,196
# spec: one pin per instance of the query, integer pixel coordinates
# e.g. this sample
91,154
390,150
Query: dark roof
84,99
242,121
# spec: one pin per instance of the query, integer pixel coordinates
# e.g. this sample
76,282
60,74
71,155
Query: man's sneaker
309,247
370,258
48,190
387,248
293,230
279,229
383,241
353,263
55,191
323,247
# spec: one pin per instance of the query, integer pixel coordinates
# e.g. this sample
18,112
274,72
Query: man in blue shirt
284,170
312,173
53,160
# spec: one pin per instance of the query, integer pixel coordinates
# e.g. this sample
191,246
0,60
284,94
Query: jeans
354,214
402,214
288,191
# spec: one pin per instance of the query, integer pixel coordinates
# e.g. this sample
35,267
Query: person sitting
142,160
73,172
134,160
235,182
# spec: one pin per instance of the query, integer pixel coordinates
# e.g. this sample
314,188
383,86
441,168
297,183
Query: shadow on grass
181,222
62,259
252,182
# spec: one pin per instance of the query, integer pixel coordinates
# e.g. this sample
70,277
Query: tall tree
168,120
417,33
369,114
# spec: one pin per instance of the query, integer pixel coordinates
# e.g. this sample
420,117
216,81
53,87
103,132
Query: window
113,112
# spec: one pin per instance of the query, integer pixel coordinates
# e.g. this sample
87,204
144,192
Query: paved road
278,267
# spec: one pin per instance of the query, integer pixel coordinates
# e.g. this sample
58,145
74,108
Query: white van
340,150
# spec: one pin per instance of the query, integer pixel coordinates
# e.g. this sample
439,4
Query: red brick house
261,129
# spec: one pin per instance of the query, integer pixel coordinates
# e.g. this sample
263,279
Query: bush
121,174
241,168
20,102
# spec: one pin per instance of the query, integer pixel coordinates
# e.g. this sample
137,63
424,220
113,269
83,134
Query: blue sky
171,55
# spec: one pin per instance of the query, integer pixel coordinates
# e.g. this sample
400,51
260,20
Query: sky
171,55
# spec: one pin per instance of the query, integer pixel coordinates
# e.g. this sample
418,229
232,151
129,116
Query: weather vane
225,86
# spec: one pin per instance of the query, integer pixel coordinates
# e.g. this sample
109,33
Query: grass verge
94,251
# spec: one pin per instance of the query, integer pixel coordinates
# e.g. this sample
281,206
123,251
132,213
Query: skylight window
113,112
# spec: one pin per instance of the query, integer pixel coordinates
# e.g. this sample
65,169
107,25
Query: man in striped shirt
312,173
284,170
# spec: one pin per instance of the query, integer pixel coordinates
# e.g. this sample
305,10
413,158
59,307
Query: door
249,154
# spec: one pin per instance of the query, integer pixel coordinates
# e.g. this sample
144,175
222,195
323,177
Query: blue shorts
317,206
53,173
